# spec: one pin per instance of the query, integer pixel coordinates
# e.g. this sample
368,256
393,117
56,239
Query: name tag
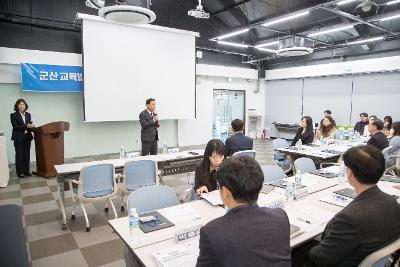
187,233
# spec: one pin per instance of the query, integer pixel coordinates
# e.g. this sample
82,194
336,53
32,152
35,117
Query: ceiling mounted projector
366,8
294,46
124,11
199,12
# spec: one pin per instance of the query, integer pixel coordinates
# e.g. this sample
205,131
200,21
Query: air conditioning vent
127,11
294,46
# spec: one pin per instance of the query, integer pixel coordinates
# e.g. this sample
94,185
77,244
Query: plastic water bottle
133,225
298,178
299,144
289,191
122,152
165,148
342,176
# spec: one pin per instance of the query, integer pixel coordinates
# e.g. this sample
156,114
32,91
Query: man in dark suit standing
238,141
150,122
370,222
247,235
22,127
378,138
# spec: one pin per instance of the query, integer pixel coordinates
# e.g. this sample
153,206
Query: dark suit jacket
205,179
149,130
19,127
379,140
237,142
359,127
306,138
370,222
246,236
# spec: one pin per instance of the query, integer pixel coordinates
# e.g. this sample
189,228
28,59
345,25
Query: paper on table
181,213
213,197
314,215
335,200
178,256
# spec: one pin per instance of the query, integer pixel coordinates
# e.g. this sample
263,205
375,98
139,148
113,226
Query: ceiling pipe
362,21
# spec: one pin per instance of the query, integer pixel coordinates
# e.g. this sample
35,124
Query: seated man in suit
378,138
238,141
371,221
247,235
360,125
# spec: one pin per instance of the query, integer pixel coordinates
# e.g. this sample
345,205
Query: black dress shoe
21,175
28,174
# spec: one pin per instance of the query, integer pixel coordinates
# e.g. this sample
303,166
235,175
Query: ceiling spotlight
366,6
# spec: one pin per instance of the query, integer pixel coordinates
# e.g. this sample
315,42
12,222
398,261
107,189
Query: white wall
199,131
384,64
106,137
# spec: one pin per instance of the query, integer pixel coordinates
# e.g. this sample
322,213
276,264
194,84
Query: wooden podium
49,147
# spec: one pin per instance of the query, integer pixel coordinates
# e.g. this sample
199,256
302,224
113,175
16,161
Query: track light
232,34
331,30
266,50
390,18
233,44
366,40
286,18
267,44
344,2
392,2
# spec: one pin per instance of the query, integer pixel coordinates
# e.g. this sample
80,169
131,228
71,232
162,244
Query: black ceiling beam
229,7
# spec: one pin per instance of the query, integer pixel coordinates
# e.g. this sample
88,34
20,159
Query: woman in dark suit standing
22,136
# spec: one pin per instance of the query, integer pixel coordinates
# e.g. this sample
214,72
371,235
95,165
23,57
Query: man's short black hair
237,125
364,114
366,162
243,177
149,100
378,123
328,112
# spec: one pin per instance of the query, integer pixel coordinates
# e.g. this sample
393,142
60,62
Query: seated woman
205,175
305,133
394,143
387,125
327,129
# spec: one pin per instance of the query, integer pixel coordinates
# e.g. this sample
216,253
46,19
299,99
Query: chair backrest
249,153
380,257
272,173
140,173
151,198
385,151
97,177
304,165
280,143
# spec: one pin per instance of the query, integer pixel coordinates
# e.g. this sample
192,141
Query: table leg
62,202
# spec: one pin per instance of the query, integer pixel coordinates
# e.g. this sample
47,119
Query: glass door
227,106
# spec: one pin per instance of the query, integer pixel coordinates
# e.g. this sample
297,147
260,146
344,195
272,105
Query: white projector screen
124,65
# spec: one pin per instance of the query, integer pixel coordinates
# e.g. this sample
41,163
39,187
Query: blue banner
51,78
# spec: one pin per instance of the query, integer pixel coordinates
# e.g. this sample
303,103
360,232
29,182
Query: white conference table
73,170
310,208
319,153
305,208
